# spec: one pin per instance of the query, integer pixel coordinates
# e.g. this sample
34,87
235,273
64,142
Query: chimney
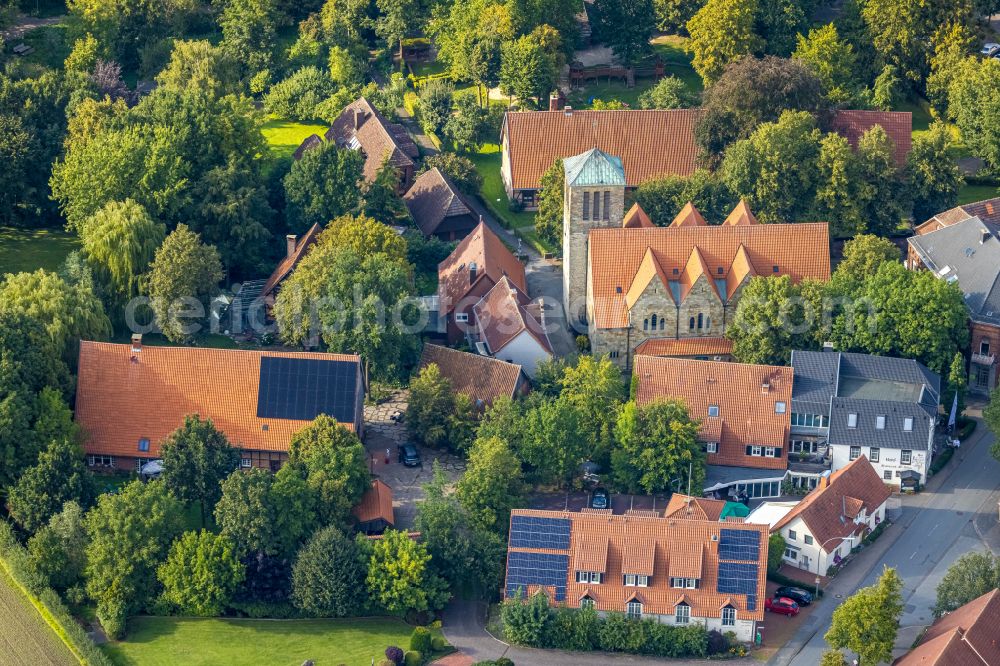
828,347
765,387
568,110
556,100
290,242
984,235
472,272
359,118
824,480
136,346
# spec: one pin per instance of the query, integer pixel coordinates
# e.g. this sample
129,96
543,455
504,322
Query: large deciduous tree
196,458
626,26
328,575
201,573
867,621
833,61
399,575
436,416
722,31
549,220
249,33
58,477
530,64
662,198
57,551
770,321
120,241
657,444
323,185
492,484
971,576
934,177
972,105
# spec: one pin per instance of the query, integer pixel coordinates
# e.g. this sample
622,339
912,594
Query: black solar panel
532,532
524,569
738,578
739,545
301,389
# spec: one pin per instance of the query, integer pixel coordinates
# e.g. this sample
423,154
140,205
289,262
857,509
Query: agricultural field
25,638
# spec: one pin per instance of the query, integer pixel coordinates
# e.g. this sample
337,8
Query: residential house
438,208
295,250
744,415
847,405
964,637
651,143
700,349
510,327
962,246
626,285
360,126
822,528
474,267
310,142
677,572
130,397
374,513
482,378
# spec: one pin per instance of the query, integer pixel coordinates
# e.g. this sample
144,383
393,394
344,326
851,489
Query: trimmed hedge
15,561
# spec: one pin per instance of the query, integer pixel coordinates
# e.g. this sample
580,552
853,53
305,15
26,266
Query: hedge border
13,559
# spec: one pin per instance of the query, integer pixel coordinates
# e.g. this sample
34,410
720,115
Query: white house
509,327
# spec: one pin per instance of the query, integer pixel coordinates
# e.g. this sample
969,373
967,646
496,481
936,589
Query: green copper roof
594,167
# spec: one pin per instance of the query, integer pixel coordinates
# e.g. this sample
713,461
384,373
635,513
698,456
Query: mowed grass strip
284,136
25,638
165,641
31,249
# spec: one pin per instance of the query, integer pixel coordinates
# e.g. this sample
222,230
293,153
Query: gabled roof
310,142
740,270
830,509
987,210
479,377
502,315
898,125
636,218
689,217
361,125
746,396
648,271
492,260
695,269
124,396
963,637
375,504
432,198
798,250
741,215
594,167
685,347
288,264
694,508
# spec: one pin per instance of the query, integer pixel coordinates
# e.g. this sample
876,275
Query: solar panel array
524,569
301,389
739,545
532,532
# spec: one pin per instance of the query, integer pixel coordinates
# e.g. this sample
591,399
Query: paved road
934,530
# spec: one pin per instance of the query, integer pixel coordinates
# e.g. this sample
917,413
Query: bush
413,658
298,95
941,459
420,639
717,642
394,654
438,643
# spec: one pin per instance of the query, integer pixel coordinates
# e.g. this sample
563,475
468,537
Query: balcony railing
984,359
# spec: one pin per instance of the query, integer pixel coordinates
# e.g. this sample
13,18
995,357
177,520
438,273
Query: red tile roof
746,396
636,218
798,250
479,377
288,264
492,260
987,210
503,314
120,400
964,637
694,508
375,504
658,547
685,347
898,125
830,509
376,136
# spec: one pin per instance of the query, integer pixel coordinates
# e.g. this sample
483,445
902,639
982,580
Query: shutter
749,450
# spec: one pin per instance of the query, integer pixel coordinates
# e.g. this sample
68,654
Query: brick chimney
290,242
359,118
136,343
473,269
556,100
824,481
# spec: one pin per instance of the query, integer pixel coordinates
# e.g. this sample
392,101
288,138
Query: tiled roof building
360,126
129,398
296,249
964,637
510,326
898,125
679,572
482,378
374,512
438,208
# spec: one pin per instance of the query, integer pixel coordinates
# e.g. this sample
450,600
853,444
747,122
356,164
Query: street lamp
851,538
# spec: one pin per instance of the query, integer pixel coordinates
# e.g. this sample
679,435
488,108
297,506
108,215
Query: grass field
284,136
31,249
25,638
164,641
971,193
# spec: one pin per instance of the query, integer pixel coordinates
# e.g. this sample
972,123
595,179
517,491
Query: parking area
576,500
776,630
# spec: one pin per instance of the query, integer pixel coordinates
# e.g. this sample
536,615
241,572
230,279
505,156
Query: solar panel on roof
739,545
528,569
533,532
738,578
301,389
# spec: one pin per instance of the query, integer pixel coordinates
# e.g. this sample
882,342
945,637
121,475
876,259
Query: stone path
25,23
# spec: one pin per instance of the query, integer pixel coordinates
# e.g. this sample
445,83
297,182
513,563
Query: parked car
599,499
796,594
989,49
782,606
409,456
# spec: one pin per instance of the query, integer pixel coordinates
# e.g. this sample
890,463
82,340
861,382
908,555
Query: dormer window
594,577
633,610
635,580
728,616
682,614
586,602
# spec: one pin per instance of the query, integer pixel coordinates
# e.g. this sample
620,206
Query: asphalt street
936,529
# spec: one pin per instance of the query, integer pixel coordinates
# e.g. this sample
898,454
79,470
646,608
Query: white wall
821,560
744,629
888,461
525,351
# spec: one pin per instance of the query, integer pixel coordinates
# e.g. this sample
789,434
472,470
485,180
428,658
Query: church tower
593,198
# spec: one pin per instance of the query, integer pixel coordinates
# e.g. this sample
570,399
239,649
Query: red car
782,606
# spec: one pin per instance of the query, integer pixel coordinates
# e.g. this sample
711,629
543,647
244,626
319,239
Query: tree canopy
867,622
201,573
657,446
196,458
971,576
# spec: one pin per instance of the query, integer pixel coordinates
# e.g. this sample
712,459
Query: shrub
297,96
413,658
394,654
717,642
421,639
438,643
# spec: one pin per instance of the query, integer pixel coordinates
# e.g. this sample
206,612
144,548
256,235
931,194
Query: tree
669,92
775,169
249,33
934,177
120,241
775,551
334,464
549,220
126,27
57,551
433,415
492,485
838,200
396,18
184,274
381,196
672,16
595,388
196,458
957,381
201,573
656,444
328,575
991,416
322,185
244,512
200,65
832,60
976,82
436,100
530,64
468,127
302,94
971,576
364,235
778,22
15,151
130,533
459,169
399,578
58,477
83,57
626,26
770,322
863,256
554,442
662,198
867,622
293,505
721,33
832,658
884,193
953,43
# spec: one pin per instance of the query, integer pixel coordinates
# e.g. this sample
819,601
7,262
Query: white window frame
629,580
792,536
887,475
874,453
770,452
757,451
691,583
677,583
852,420
906,457
596,577
711,447
851,455
908,424
246,462
807,539
880,422
682,614
633,610
642,581
586,602
780,407
728,616
713,408
791,553
583,576
461,317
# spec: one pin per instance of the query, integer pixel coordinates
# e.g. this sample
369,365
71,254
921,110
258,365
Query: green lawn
164,641
284,136
31,249
971,193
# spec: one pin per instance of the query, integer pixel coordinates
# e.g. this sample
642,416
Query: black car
796,594
409,456
599,499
